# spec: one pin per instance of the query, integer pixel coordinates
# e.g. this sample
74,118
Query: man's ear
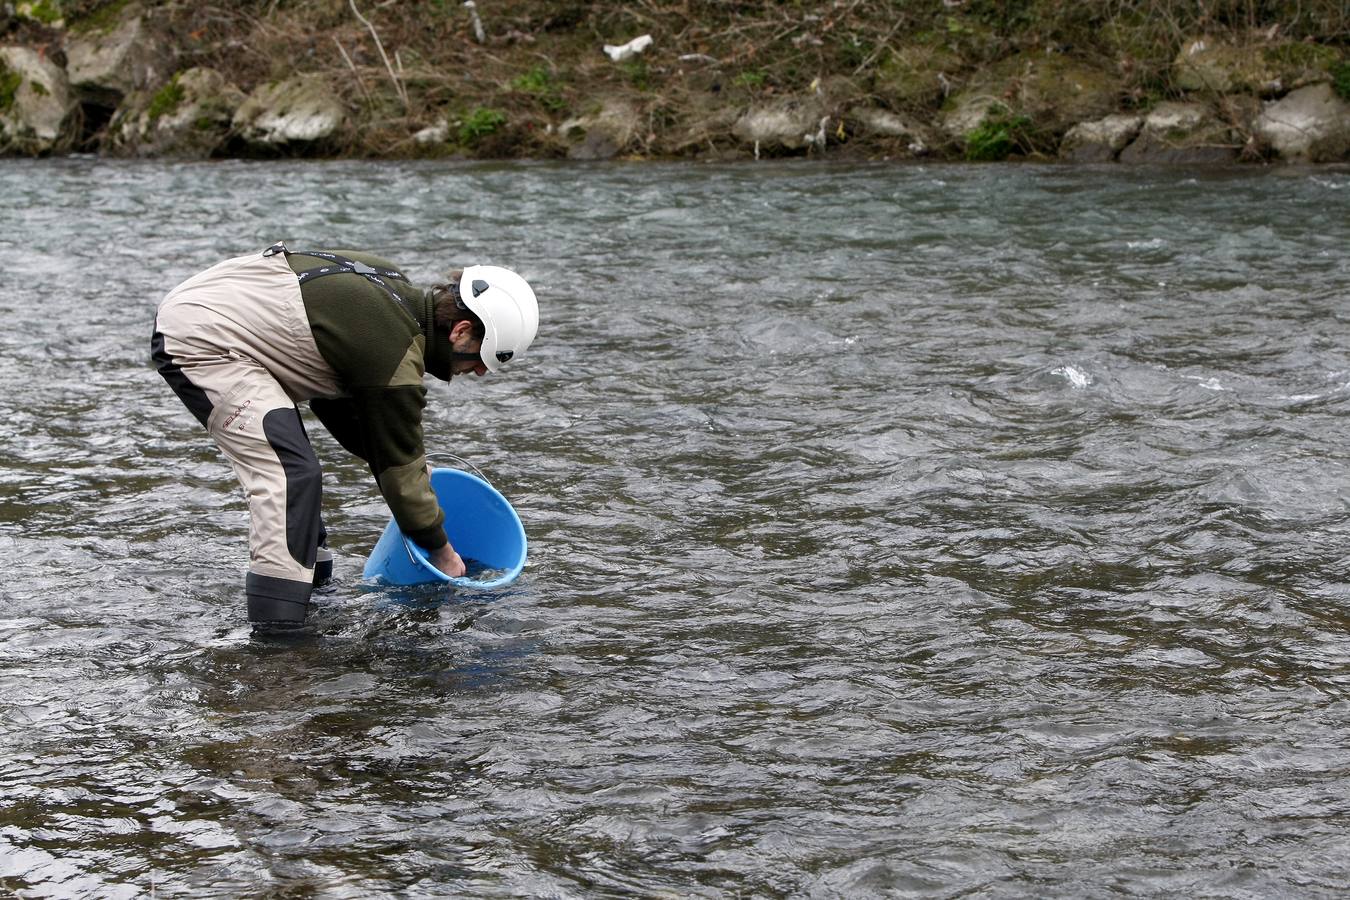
460,329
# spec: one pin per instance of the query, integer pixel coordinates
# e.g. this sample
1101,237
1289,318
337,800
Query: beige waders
235,345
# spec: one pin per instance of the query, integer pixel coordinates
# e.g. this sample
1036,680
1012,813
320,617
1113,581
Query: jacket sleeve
383,426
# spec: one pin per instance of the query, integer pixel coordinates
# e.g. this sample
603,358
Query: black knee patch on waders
304,482
193,397
281,600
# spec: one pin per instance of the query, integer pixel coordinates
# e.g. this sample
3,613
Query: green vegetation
479,124
637,73
48,12
538,83
97,15
9,86
1340,80
997,136
166,99
1051,63
751,78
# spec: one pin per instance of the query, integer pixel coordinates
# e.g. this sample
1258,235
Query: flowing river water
894,530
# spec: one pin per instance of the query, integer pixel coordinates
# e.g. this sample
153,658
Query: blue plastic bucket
481,525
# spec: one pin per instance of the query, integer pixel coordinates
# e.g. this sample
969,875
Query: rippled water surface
894,531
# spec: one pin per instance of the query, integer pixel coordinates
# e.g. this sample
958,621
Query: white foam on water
1075,376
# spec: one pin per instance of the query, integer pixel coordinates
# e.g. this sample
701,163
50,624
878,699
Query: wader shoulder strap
341,265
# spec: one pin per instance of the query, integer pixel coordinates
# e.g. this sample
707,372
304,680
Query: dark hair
449,309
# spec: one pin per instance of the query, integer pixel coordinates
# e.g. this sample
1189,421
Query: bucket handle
465,464
407,545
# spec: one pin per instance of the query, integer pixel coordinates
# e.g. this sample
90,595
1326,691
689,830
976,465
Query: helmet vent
479,286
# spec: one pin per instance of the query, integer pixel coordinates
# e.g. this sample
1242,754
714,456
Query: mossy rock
1207,65
36,109
102,19
1296,63
10,82
187,117
1051,91
167,99
45,12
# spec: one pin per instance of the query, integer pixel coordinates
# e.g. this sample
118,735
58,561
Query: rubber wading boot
277,601
323,567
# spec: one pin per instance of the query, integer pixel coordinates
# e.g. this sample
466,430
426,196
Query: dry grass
407,65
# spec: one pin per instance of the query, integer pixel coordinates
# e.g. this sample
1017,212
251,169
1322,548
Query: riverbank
1134,80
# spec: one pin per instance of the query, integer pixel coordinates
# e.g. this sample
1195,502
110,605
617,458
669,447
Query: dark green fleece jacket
377,347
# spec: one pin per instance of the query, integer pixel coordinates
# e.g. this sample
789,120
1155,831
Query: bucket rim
419,556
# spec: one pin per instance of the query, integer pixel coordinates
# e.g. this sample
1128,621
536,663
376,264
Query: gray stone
106,66
1207,64
965,113
604,133
1311,124
917,137
190,117
1100,141
37,117
791,123
300,110
883,122
1182,133
433,134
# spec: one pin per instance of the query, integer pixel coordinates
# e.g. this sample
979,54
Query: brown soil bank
1128,80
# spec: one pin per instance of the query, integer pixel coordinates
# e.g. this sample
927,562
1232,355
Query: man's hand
448,561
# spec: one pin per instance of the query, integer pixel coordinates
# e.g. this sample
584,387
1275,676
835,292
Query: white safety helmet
508,308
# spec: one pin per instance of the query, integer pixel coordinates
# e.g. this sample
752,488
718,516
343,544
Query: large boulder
1311,124
108,63
790,123
298,111
1100,140
609,127
1182,133
189,117
36,106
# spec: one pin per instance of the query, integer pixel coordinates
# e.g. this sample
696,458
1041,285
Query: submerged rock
300,110
1182,133
36,105
1311,124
